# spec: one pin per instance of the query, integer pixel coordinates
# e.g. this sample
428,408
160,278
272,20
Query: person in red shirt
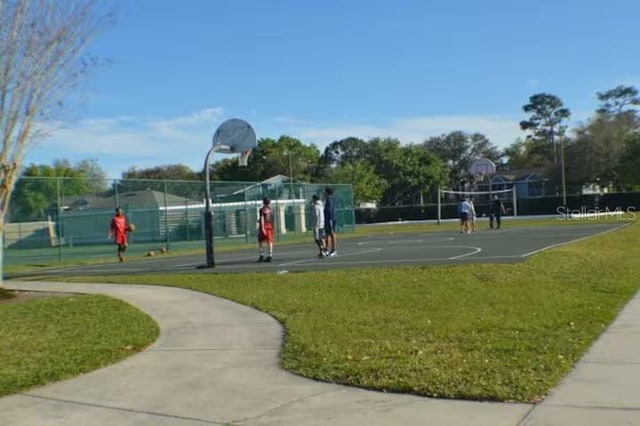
118,231
265,230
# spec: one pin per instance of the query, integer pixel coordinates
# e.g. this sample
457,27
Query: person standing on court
464,211
330,222
472,216
496,212
265,230
118,231
317,210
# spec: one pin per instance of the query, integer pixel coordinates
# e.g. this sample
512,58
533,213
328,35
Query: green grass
501,332
49,339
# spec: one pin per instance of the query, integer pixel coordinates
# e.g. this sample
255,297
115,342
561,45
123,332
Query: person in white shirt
464,210
472,215
317,210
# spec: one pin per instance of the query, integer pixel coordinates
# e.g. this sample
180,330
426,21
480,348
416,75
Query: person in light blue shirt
464,211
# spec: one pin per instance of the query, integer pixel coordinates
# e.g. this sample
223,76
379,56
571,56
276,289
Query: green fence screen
65,219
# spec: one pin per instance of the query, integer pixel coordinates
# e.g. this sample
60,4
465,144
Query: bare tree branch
43,59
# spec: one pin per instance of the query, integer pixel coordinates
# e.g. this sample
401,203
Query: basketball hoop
481,167
243,160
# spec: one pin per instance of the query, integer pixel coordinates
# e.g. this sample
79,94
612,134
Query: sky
325,70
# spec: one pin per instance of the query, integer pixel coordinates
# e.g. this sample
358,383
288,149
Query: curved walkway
216,363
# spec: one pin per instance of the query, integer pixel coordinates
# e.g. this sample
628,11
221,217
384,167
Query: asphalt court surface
390,249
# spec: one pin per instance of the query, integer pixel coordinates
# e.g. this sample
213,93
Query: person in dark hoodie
496,212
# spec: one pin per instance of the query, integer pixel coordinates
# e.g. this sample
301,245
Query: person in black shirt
330,222
496,212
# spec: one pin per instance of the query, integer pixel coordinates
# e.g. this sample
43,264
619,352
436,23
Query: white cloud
122,142
118,143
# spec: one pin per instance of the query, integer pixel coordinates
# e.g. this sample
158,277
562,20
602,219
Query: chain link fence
66,219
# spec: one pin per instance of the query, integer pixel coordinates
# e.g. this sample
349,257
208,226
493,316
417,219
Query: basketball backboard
234,136
482,167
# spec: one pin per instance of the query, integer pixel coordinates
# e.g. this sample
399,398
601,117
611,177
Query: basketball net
243,160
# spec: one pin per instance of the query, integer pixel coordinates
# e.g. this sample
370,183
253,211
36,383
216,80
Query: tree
42,186
285,156
42,46
457,149
176,179
421,173
367,185
597,153
167,172
628,164
618,100
408,170
546,123
527,154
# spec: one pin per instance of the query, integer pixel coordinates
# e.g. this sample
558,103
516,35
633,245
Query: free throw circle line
474,250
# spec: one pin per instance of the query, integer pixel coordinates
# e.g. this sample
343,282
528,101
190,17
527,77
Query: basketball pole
208,213
232,137
439,206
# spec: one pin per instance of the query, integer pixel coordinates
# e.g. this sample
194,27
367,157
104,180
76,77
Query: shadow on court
428,248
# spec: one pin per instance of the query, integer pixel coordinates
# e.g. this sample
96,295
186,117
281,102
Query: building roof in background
126,200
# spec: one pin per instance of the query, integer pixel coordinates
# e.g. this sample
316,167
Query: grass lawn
502,332
49,339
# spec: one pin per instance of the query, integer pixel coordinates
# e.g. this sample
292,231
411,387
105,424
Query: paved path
216,362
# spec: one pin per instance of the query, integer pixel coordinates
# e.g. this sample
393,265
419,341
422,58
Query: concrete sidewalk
216,362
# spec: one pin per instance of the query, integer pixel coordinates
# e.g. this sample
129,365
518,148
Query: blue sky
325,70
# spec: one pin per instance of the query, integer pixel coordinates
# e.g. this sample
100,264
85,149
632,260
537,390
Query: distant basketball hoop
481,167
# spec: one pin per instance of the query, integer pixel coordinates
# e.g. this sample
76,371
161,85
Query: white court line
437,237
476,250
298,262
398,261
184,265
402,241
531,253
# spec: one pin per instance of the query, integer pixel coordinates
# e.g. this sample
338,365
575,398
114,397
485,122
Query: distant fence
68,218
623,202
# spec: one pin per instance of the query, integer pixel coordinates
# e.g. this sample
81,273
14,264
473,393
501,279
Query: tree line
601,151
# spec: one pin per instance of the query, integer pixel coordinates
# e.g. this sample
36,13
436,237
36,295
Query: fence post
166,215
246,214
439,206
58,219
116,195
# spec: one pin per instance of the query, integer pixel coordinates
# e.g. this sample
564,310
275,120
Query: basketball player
318,225
118,231
265,231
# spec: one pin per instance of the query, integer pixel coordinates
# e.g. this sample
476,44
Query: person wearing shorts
118,231
464,211
472,216
265,230
317,211
330,222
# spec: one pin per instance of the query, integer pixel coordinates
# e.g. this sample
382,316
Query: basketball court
393,249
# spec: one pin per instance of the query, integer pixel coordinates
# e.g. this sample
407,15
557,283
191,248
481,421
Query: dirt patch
24,296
